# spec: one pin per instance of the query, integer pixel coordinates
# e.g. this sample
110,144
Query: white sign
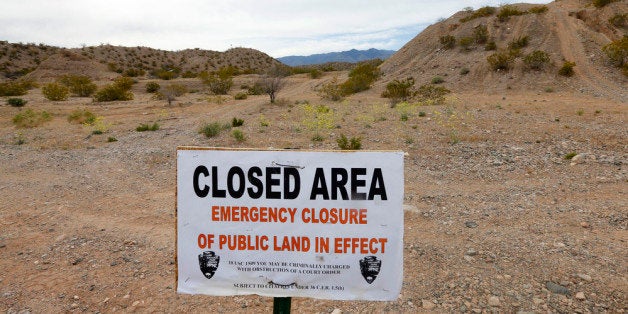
325,225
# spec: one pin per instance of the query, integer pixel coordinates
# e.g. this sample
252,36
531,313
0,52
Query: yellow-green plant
55,92
99,125
30,118
451,120
82,116
318,118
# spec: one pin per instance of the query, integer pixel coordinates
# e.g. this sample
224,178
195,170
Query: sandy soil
492,223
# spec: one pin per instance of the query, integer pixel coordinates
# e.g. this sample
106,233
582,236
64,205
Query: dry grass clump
30,118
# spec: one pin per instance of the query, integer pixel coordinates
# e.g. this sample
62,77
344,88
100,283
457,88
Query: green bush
235,122
82,116
432,94
124,82
481,12
537,60
79,85
601,3
147,127
238,135
448,41
480,34
617,51
113,92
465,43
256,89
567,69
331,90
619,20
538,9
500,61
30,119
152,87
211,129
398,91
13,88
240,96
507,11
490,46
361,77
464,71
315,73
355,143
134,72
55,92
518,43
437,80
220,82
16,102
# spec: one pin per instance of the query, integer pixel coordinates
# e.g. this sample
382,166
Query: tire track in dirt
573,50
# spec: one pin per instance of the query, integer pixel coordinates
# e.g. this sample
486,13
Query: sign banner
325,225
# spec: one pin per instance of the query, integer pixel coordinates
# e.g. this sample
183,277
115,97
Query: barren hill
570,30
45,62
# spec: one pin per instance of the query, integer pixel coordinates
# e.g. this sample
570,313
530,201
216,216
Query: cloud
277,27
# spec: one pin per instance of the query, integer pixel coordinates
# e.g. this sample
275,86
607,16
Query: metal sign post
281,305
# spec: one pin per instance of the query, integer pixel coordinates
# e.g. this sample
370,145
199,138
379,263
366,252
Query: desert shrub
152,87
432,94
82,116
315,73
567,69
500,61
189,74
465,43
238,135
331,90
437,80
240,96
124,82
30,119
538,9
481,12
111,139
15,88
235,122
537,59
480,34
164,74
464,71
617,51
361,77
147,127
507,11
16,102
570,155
211,129
255,89
171,92
220,82
619,20
113,92
79,85
133,72
398,91
448,41
55,92
355,143
490,46
602,3
518,43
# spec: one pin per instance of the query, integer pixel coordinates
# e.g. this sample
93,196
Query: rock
427,305
580,295
471,224
469,258
585,224
556,288
336,311
471,252
74,305
537,301
493,301
585,277
136,303
410,208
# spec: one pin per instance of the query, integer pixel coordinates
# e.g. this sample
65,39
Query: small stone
76,297
469,259
471,252
136,303
471,224
336,311
580,295
556,288
493,301
74,305
537,301
585,224
126,296
585,277
427,305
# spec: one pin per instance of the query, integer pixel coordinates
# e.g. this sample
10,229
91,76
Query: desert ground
514,201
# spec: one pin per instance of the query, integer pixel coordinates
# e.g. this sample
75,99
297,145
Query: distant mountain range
352,56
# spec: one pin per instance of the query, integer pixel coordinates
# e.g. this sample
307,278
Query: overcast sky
276,27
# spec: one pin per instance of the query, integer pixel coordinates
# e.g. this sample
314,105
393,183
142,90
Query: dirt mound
565,30
68,62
